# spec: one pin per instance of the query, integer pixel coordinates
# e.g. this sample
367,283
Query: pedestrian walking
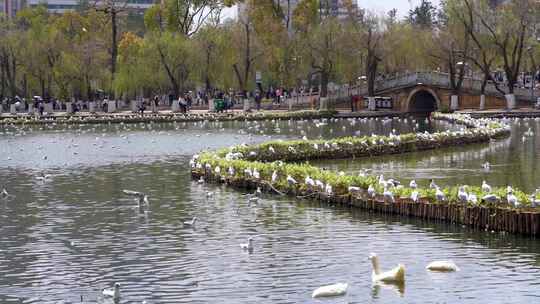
142,107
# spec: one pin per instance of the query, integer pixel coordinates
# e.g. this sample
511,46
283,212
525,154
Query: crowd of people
222,100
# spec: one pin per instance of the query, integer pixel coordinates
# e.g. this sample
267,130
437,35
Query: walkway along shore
265,166
170,117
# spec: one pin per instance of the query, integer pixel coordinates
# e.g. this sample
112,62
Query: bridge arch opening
423,101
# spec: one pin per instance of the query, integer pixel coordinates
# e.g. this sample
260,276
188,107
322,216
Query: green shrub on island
267,163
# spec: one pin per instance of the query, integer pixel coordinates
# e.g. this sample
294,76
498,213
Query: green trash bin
219,105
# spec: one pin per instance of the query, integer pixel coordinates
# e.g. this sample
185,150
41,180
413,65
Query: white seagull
462,195
190,223
274,177
491,198
371,191
291,180
142,198
485,187
414,196
440,195
247,246
512,199
113,292
388,196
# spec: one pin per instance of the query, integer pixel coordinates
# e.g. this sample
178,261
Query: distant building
11,7
340,9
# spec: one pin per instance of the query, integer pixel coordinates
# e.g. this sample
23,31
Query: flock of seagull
462,194
395,275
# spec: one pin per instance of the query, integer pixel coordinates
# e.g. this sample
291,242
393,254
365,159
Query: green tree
423,15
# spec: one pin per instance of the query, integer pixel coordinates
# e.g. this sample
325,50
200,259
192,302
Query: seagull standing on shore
388,195
462,194
371,191
485,187
440,195
414,196
534,201
512,199
291,180
274,177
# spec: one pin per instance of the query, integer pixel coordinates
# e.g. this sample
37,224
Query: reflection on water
514,161
77,232
92,145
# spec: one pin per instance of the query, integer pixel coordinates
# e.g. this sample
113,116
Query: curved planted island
280,167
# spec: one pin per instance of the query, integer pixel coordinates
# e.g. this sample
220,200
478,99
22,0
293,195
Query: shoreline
234,115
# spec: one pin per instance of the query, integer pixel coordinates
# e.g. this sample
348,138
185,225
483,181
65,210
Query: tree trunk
324,84
2,82
248,57
511,84
114,46
207,72
42,84
170,75
243,76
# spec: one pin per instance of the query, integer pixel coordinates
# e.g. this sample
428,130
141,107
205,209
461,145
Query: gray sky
377,6
383,6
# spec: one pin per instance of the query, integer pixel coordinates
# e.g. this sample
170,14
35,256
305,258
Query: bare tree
112,8
482,56
188,16
243,69
372,57
508,39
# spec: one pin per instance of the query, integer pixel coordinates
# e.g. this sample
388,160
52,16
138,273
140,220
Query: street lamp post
454,99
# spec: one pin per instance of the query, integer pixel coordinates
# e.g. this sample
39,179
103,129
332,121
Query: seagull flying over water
142,198
190,223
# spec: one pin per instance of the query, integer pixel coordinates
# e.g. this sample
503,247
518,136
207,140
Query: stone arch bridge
430,91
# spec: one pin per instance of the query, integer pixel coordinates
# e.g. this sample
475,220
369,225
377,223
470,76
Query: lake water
76,233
